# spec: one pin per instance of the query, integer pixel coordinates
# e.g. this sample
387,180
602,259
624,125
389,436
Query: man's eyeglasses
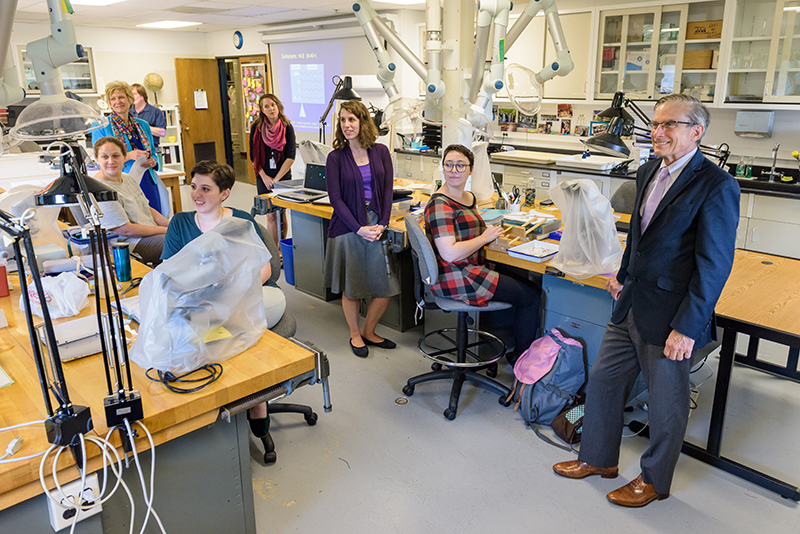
668,125
460,167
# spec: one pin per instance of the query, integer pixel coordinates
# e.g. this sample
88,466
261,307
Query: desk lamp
67,421
343,91
622,123
74,187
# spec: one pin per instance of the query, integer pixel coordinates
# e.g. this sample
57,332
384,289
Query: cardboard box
711,29
715,60
697,59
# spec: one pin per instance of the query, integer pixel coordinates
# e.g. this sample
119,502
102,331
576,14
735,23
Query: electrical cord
147,500
212,372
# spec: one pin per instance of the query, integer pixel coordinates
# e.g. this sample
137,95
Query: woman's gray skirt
359,267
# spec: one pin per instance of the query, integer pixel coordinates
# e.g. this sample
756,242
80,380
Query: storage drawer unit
519,176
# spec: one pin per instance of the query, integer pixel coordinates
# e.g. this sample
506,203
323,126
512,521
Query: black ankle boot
260,429
269,450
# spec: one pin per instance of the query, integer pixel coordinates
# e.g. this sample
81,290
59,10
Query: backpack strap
513,389
519,397
537,430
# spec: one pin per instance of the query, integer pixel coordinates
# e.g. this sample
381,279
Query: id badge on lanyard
272,162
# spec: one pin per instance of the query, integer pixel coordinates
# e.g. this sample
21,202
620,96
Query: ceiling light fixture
168,24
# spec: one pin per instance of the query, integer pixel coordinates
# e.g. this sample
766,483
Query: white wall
129,55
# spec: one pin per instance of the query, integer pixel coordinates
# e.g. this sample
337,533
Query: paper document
138,169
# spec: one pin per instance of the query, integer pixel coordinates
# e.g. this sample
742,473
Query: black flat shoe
361,352
385,344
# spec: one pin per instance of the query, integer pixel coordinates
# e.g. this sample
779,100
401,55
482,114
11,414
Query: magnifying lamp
344,91
623,124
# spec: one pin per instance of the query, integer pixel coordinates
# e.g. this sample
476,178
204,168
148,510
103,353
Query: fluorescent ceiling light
166,24
796,8
95,2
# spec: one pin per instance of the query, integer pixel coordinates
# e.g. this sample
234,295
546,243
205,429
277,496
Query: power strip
61,518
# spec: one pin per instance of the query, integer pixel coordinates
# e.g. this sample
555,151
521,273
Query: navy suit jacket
673,275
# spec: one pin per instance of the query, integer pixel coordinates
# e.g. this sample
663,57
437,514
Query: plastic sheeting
204,304
589,242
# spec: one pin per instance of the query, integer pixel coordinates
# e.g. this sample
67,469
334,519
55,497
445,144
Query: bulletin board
255,83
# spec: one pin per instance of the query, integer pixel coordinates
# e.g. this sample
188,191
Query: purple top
346,189
367,178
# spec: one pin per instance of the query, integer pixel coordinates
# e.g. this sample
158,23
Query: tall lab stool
467,360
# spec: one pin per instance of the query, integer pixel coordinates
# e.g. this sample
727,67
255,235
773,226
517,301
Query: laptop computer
314,186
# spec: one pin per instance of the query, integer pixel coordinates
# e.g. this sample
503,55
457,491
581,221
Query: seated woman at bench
454,225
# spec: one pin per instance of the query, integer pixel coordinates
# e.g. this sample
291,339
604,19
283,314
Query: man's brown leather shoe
578,469
636,494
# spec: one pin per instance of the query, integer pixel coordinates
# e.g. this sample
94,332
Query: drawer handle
408,157
545,174
526,172
545,184
753,236
436,161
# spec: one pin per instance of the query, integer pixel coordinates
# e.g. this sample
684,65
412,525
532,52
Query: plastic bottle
748,171
740,168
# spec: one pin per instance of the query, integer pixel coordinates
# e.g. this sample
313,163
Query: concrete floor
372,465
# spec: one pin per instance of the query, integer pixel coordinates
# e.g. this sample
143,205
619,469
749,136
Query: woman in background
130,216
360,178
142,109
210,187
458,232
272,150
135,135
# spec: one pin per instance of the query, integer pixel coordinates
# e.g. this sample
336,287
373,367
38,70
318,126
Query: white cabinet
772,226
519,176
764,61
415,166
647,52
576,26
77,76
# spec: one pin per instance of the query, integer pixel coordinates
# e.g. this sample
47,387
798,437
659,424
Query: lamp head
346,92
65,190
610,142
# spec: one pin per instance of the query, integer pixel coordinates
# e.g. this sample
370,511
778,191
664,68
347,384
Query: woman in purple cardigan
358,263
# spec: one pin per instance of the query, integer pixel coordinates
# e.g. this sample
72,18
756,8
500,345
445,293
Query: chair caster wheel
408,390
436,367
505,401
311,419
449,414
491,372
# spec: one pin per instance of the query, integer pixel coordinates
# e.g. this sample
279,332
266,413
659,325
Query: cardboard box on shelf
715,59
697,59
710,29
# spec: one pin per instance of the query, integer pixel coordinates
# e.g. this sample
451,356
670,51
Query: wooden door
201,128
256,81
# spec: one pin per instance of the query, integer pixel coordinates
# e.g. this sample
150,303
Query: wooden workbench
167,415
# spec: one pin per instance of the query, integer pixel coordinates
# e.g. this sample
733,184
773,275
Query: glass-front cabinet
649,52
764,63
77,76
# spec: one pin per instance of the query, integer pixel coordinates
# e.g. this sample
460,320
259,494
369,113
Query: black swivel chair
286,327
624,197
470,356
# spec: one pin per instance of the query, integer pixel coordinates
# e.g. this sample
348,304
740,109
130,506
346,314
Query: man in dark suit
678,256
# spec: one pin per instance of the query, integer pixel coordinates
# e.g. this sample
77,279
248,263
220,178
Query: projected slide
304,72
308,84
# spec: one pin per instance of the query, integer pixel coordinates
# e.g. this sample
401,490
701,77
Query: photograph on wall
598,127
581,131
526,124
565,127
507,118
565,111
600,119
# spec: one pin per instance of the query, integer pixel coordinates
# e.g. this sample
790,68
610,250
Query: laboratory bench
202,480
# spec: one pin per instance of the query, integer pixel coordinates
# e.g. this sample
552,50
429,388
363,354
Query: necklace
360,155
203,226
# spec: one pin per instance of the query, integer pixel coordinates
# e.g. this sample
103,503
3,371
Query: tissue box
710,29
697,59
638,60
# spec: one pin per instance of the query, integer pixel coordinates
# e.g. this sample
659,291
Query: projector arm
563,64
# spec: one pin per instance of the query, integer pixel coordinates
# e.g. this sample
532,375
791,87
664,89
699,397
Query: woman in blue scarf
135,134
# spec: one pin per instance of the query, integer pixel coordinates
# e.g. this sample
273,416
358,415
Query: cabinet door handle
545,184
753,236
545,174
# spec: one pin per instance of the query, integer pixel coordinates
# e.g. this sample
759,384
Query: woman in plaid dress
459,234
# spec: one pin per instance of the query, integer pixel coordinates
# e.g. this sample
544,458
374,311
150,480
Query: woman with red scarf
272,150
